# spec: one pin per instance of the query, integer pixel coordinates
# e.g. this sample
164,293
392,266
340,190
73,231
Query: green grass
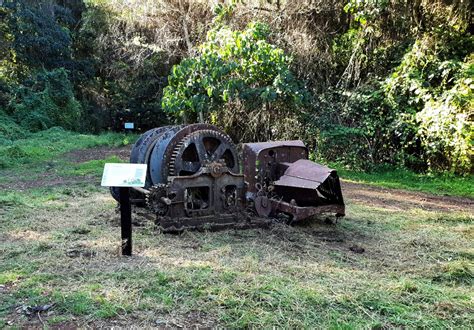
256,278
92,167
35,197
438,184
8,277
416,272
46,145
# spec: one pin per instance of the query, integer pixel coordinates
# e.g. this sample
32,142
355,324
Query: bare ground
84,155
395,199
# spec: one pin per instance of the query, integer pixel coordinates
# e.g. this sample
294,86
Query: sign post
126,221
125,176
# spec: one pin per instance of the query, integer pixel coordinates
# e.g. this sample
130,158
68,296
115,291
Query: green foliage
37,67
365,10
436,95
419,117
343,144
233,66
46,101
41,35
131,68
357,129
9,130
384,81
446,128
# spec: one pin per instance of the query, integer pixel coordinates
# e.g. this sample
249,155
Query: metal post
126,221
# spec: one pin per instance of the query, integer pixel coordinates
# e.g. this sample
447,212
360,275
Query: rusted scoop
279,174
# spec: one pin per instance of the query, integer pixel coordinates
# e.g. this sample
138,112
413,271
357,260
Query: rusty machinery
194,180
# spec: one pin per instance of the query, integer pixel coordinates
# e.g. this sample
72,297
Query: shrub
419,117
432,90
446,125
9,130
238,80
45,102
41,35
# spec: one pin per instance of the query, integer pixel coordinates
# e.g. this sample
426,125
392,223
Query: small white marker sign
124,175
129,125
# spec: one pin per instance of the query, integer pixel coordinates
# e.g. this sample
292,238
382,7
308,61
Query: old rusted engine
194,180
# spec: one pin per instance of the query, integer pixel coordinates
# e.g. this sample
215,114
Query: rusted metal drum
143,148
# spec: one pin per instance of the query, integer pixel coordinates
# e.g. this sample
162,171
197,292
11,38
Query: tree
41,35
237,79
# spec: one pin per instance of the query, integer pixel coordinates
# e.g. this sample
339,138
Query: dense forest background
367,83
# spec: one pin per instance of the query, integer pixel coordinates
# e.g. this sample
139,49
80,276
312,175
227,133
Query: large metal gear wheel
163,149
200,148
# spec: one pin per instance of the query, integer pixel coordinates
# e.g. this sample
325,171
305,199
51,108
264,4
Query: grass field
59,246
438,184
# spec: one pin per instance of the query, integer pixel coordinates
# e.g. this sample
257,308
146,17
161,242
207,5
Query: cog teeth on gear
153,202
174,156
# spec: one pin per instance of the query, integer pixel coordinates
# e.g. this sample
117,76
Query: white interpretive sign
129,125
124,175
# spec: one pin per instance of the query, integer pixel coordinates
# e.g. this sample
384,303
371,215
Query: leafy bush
345,145
419,117
236,73
357,129
432,91
45,102
446,127
9,130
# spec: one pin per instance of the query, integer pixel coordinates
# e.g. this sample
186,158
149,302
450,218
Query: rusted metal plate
214,223
304,174
261,161
224,194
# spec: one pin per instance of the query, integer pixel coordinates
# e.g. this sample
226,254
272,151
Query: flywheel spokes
200,148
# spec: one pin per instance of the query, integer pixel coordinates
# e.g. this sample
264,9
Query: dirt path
396,199
84,155
51,178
